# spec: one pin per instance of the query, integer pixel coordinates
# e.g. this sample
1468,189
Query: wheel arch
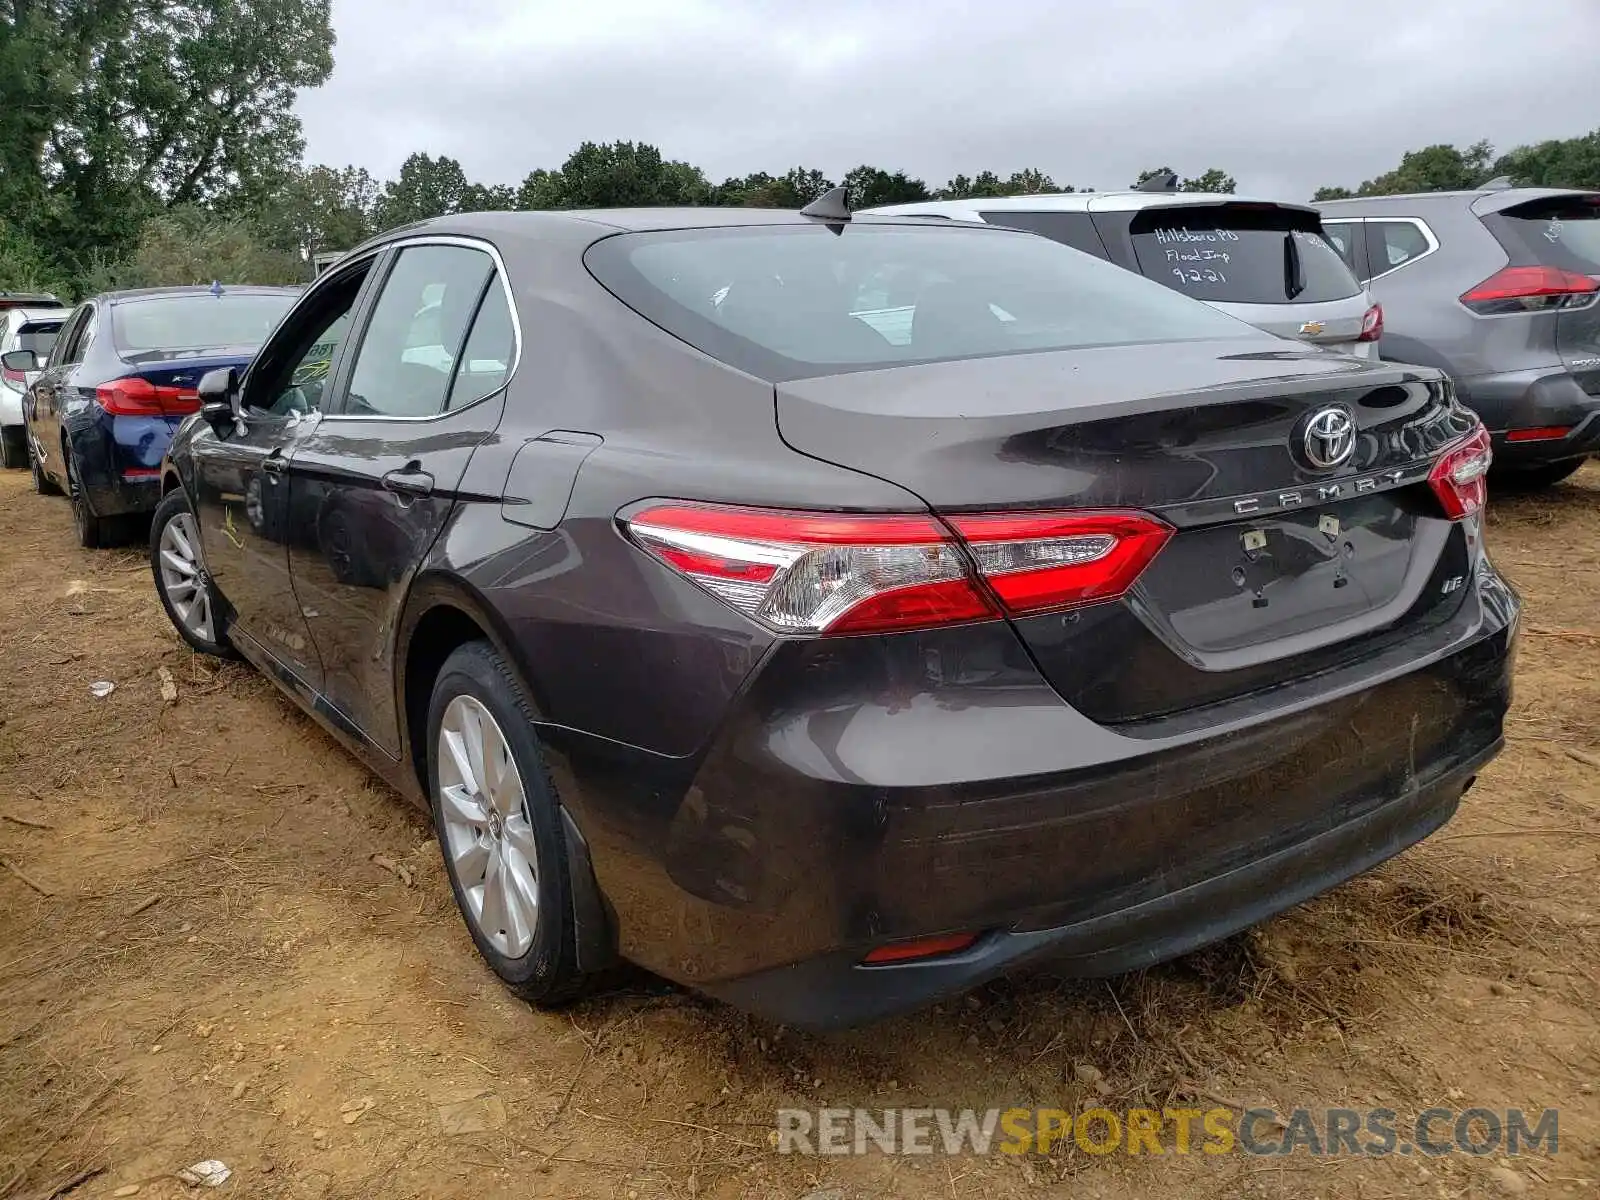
442,613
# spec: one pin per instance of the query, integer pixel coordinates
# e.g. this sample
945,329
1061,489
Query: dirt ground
221,939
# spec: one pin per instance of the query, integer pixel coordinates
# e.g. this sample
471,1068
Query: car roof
1122,201
1478,198
246,289
38,314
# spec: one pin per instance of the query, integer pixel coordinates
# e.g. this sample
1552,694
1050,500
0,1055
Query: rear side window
1240,255
1392,244
1073,229
1562,232
196,321
787,302
38,336
1342,238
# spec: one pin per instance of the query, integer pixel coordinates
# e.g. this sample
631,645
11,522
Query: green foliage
869,187
627,175
798,187
427,187
190,245
25,267
1573,163
1027,182
1332,193
320,208
111,110
1211,180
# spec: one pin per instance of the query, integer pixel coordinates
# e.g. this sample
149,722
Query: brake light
136,397
823,573
1459,478
1372,324
1040,561
1530,289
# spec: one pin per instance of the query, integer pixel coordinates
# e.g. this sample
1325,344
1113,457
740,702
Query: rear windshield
197,321
1563,232
1241,255
38,336
786,302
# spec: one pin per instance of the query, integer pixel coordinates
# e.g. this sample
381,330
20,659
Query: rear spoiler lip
1497,202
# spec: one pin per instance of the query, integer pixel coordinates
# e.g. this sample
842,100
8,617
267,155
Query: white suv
26,323
1263,261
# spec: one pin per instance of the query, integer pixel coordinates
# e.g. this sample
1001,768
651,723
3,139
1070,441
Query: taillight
1372,324
824,573
15,377
1530,289
1040,561
1459,477
136,397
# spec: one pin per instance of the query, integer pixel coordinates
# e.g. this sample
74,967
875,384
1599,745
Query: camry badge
1329,438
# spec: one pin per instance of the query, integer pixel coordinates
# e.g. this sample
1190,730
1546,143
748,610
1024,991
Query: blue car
121,378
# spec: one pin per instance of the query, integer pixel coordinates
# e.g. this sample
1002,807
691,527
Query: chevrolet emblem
1311,329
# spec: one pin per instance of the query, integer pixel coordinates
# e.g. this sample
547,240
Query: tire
208,635
538,962
13,448
42,483
1535,479
94,533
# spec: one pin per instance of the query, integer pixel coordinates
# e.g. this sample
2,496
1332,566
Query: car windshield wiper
1294,275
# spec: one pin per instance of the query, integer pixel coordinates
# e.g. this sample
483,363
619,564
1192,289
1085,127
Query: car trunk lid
1272,557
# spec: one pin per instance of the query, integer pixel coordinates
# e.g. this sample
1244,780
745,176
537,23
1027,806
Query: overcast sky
1285,96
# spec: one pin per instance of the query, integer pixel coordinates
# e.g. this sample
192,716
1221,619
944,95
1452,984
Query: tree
320,208
190,245
478,197
1211,180
870,187
541,189
1439,168
627,174
796,188
1332,193
1569,163
427,187
1152,173
114,109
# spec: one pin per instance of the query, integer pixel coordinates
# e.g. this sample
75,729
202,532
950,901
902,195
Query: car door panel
375,484
241,488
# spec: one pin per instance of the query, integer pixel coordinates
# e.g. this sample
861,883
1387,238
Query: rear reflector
1459,477
141,474
800,572
1372,324
1541,433
932,947
1530,289
136,397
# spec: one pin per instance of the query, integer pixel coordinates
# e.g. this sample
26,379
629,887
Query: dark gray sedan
831,614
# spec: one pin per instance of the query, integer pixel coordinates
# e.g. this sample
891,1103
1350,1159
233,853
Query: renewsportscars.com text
1258,1131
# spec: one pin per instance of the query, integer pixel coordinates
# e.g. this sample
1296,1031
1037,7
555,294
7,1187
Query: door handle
275,463
409,482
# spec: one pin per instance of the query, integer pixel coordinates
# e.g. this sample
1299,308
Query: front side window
291,373
407,357
792,301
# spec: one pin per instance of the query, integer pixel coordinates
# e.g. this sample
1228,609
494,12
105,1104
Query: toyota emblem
1329,438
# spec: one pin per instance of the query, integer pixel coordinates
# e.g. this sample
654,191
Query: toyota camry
832,612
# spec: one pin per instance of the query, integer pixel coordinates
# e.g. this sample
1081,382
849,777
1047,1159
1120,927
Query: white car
26,323
1264,261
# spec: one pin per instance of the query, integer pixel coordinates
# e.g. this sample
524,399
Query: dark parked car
119,379
1499,288
831,666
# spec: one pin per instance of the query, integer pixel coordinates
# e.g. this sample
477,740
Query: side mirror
21,360
219,397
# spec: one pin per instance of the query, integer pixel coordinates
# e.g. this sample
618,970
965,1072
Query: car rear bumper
1535,400
836,991
118,460
870,790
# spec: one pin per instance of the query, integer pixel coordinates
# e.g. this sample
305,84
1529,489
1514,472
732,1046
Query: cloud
1284,97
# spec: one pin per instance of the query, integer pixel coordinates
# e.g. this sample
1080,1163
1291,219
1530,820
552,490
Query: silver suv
26,323
1500,287
1263,261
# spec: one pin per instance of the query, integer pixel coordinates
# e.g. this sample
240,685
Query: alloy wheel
183,577
488,835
